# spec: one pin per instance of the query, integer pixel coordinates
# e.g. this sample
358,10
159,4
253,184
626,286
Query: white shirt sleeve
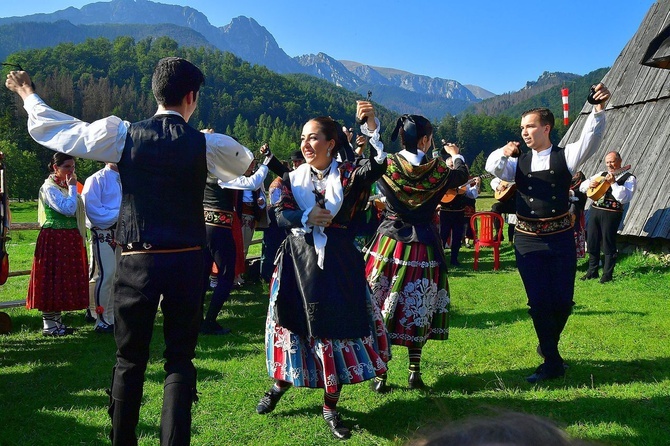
588,142
102,199
374,140
226,158
623,194
64,204
501,166
471,191
102,140
251,182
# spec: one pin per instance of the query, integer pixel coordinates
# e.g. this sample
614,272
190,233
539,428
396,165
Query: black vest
163,170
218,198
543,194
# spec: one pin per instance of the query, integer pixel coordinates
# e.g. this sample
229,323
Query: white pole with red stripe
566,106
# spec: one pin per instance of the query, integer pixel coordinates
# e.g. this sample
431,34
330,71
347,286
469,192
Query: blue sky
496,44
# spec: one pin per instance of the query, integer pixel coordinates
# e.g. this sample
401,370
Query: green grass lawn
616,391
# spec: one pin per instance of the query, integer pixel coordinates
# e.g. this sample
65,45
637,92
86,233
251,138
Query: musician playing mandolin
605,215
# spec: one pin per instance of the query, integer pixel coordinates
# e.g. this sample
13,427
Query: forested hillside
100,77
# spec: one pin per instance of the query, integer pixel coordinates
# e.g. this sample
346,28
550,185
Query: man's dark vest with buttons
543,194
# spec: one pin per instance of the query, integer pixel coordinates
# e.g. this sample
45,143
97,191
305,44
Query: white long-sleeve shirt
575,153
105,139
102,198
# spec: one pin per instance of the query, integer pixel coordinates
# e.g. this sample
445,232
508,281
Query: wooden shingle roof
638,126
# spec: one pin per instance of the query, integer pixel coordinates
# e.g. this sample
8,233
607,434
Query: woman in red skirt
59,278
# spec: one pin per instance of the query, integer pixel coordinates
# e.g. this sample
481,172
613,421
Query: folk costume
221,202
544,240
323,330
163,163
102,200
405,266
58,277
605,216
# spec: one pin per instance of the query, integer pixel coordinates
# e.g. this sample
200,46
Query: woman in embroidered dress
406,267
59,276
323,329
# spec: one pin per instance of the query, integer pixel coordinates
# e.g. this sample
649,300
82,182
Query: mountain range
398,90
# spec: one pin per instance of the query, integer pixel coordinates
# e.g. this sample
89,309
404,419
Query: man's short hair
173,79
546,116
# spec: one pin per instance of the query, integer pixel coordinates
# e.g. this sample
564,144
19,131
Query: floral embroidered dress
405,266
323,329
59,275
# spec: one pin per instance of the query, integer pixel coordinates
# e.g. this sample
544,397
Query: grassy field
616,391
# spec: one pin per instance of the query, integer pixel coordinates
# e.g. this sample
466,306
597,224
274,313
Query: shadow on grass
434,410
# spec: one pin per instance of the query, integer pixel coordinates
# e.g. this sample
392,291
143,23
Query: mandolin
505,190
596,193
460,190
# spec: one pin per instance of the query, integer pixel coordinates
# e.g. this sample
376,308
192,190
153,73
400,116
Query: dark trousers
548,276
601,232
452,222
220,250
141,281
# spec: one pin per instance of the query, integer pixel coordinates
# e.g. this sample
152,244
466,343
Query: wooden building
638,126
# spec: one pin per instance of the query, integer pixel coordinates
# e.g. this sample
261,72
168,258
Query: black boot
337,427
178,397
592,272
379,384
269,401
547,330
414,380
608,268
125,416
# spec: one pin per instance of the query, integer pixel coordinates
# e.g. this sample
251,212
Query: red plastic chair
483,228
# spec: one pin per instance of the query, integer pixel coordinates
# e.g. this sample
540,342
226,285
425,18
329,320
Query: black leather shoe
542,375
605,279
415,381
379,386
588,276
269,401
337,427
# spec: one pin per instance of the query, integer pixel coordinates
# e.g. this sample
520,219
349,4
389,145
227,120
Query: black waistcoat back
163,170
216,197
543,194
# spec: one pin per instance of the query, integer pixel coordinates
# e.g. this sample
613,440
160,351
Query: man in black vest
163,164
605,215
544,242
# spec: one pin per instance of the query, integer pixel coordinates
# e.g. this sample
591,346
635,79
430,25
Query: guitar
460,190
596,193
505,190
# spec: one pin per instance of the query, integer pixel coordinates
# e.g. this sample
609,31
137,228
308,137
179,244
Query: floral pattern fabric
410,286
